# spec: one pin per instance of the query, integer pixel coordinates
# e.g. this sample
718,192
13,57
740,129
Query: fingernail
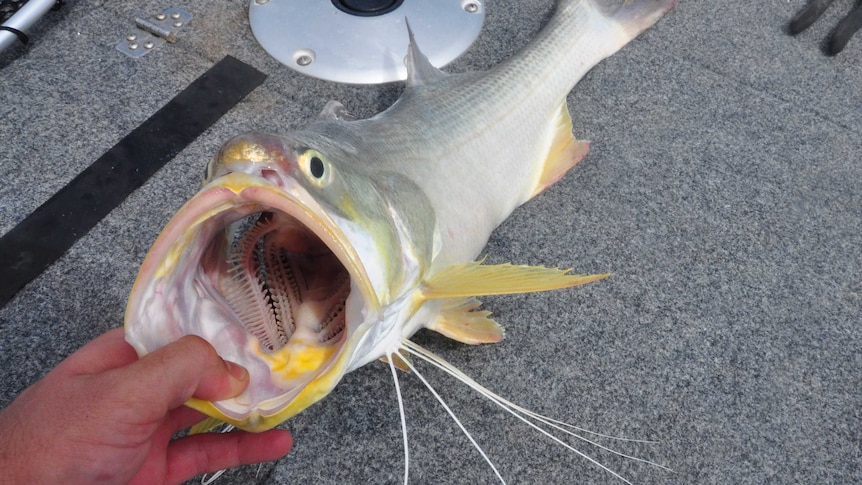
237,371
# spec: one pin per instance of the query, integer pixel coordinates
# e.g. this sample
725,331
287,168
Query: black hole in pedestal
367,8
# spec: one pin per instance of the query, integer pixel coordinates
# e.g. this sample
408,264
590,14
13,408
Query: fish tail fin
634,16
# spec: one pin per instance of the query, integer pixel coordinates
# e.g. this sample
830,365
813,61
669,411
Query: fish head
292,260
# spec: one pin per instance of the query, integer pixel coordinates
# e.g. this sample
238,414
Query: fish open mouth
261,273
281,281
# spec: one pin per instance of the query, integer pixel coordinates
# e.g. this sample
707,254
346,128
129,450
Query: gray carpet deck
723,190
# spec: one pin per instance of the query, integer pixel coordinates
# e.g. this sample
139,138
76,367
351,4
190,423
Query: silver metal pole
23,19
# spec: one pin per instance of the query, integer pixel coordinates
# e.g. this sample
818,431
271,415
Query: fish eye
315,165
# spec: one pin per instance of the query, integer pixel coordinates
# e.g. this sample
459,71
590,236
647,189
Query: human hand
843,31
105,416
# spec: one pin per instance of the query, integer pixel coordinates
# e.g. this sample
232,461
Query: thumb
188,367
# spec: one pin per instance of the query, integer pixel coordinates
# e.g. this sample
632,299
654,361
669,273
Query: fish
307,255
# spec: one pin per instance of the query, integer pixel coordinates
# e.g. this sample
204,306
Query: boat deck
723,190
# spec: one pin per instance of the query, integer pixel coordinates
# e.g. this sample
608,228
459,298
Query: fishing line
227,428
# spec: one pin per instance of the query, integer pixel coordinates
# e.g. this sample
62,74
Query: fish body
307,255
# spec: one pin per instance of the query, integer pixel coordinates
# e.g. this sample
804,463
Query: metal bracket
154,32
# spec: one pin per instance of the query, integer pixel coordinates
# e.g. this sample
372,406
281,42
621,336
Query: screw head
175,15
304,57
161,16
131,37
178,24
149,44
261,2
133,45
471,7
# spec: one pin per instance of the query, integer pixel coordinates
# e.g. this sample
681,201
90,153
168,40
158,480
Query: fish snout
259,154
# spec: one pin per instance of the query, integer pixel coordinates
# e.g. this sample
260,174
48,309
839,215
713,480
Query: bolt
471,7
131,37
175,15
304,60
178,24
149,44
161,16
133,45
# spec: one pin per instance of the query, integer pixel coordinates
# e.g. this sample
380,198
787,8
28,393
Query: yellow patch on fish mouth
259,421
266,277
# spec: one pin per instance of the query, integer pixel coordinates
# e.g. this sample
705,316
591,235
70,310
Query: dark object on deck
842,33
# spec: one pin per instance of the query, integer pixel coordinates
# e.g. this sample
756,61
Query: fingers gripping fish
308,255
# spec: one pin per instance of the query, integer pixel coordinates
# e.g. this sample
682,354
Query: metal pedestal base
318,39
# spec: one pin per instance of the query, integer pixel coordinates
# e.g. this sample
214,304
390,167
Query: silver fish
308,255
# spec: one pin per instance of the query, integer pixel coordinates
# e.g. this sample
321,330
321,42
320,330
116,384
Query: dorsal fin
477,279
419,69
461,320
335,111
563,153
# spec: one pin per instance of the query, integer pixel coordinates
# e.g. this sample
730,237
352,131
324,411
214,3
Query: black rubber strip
21,35
46,234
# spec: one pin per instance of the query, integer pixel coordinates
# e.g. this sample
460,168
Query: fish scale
445,136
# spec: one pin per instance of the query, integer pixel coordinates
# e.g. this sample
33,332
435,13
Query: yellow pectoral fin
206,425
460,320
564,152
477,279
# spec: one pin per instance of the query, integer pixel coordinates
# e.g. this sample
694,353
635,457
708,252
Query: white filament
523,414
403,418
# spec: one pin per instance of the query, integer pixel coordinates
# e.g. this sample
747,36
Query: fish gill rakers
273,292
